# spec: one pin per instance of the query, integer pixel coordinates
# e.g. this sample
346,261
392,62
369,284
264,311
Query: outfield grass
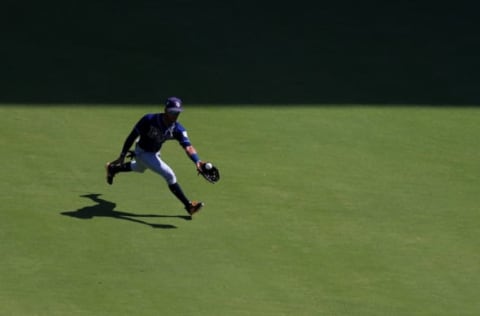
320,211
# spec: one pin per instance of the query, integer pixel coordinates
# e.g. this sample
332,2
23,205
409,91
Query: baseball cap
173,105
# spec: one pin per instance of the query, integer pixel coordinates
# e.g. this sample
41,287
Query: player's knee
170,178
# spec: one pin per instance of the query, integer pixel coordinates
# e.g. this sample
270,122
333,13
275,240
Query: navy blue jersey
154,132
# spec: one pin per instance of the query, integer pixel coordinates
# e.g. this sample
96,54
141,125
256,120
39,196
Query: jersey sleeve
181,135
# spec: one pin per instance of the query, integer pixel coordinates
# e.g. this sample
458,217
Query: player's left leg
154,162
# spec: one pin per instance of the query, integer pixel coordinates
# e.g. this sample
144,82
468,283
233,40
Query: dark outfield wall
141,51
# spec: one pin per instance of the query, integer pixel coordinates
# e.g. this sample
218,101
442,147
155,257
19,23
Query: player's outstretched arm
193,155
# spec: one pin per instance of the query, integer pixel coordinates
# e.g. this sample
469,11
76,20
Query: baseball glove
209,172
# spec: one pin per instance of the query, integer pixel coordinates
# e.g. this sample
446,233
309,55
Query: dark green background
236,52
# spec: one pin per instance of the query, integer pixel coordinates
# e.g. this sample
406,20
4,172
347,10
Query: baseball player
151,131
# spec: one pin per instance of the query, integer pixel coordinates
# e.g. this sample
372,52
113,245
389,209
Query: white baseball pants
151,160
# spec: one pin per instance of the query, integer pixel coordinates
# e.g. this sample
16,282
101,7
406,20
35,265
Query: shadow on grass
105,208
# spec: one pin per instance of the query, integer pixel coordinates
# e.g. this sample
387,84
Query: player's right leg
113,168
136,165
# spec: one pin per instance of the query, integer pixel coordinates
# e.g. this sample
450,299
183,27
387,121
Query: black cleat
110,173
194,207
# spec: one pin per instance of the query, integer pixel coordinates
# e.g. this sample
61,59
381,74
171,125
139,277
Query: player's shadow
105,208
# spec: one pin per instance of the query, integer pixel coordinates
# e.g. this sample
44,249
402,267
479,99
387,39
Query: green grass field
320,211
